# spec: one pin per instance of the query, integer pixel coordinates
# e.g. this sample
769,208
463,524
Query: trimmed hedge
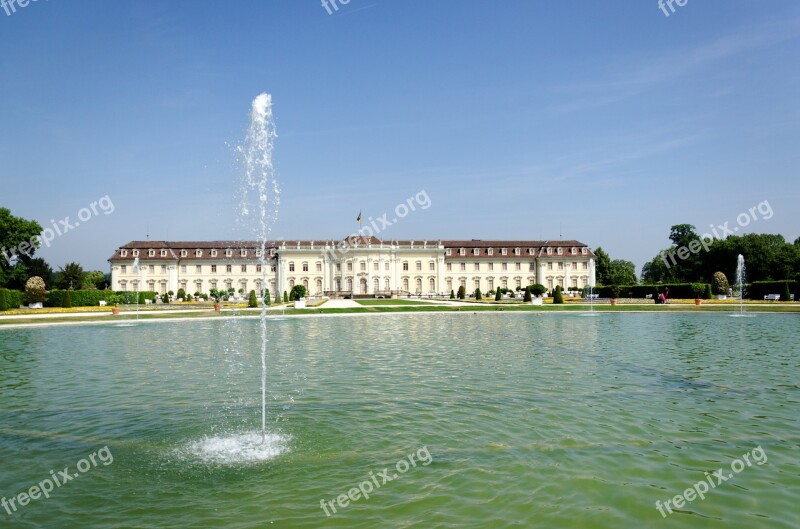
676,290
92,298
11,299
758,289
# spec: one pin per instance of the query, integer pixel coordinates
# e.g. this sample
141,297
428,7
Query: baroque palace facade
354,266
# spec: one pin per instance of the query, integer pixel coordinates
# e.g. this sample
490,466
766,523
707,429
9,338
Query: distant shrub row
676,290
92,298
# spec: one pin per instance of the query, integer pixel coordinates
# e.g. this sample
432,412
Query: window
549,251
363,266
449,251
476,251
584,251
184,253
519,283
386,267
123,253
530,251
305,267
490,283
338,268
136,253
151,253
504,251
432,266
477,267
152,269
198,253
561,251
198,269
405,266
505,267
163,269
560,266
243,253
291,266
273,268
574,266
549,266
461,251
419,266
376,266
449,267
574,252
432,286
585,266
213,253
517,266
228,253
449,284
228,269
463,267
319,267
258,268
123,269
516,251
490,251
477,284
531,267
244,269
350,269
491,266
213,269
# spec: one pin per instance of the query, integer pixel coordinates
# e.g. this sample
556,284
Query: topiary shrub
452,294
558,297
181,293
785,294
165,298
298,292
720,284
66,300
252,300
267,300
3,300
34,290
498,295
528,298
478,294
537,289
462,293
285,297
709,294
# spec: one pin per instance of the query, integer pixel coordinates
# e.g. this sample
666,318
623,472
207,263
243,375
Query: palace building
356,266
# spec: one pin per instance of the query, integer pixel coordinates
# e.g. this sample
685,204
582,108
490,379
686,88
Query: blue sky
606,122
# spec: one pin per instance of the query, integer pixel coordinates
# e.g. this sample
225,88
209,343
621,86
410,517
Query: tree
657,271
622,272
298,292
602,266
478,294
558,297
452,294
285,297
39,267
462,293
267,300
252,301
181,293
70,277
94,280
18,242
498,295
66,300
528,296
35,290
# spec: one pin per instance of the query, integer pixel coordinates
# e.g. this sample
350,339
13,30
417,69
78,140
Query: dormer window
516,251
198,253
574,251
151,253
530,251
584,251
476,251
504,251
136,253
163,253
258,253
462,251
244,253
561,251
123,253
490,251
213,253
449,251
272,252
228,253
184,253
549,251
